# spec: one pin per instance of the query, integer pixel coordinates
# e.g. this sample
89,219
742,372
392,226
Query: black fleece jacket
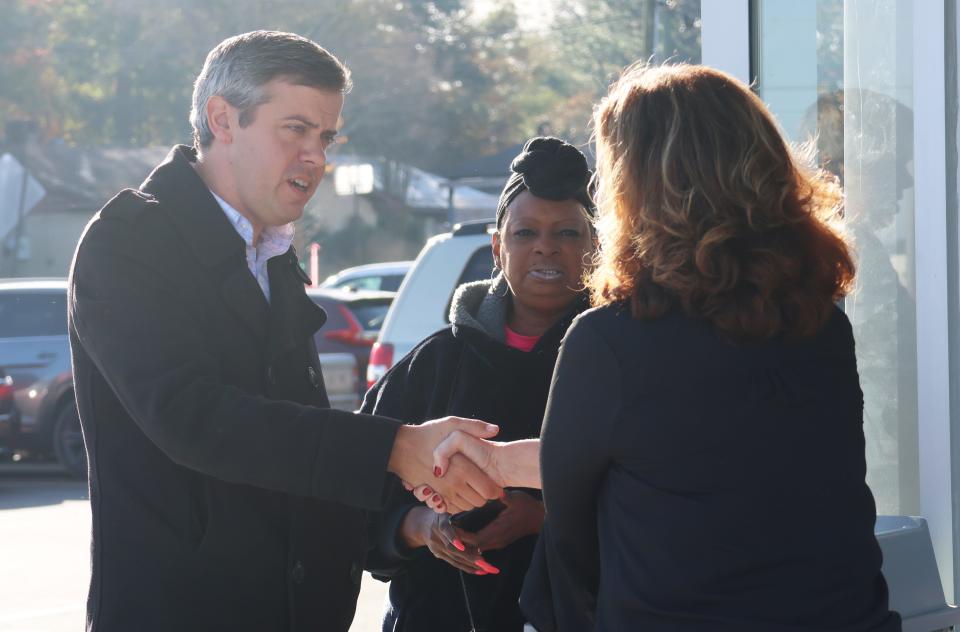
465,370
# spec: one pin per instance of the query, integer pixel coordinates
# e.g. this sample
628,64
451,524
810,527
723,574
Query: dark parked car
354,319
35,354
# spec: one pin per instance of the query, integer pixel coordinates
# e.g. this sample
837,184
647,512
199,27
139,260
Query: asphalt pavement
44,554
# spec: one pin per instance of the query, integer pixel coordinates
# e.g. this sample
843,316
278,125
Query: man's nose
314,152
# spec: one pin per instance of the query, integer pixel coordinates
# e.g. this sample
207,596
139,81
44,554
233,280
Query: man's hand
422,527
464,485
522,516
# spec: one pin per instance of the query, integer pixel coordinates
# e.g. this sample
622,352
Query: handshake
452,466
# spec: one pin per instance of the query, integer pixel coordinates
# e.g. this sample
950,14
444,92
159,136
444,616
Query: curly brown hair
703,205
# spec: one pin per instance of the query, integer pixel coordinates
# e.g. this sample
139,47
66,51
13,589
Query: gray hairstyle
238,68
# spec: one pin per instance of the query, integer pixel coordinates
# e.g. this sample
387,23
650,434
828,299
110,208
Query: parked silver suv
422,305
35,354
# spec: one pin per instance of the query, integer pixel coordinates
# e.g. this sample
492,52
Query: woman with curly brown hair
702,454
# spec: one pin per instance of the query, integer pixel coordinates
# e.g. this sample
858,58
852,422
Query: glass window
370,314
381,282
479,267
360,283
838,74
391,282
29,314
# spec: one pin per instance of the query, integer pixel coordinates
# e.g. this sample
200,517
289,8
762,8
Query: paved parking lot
44,554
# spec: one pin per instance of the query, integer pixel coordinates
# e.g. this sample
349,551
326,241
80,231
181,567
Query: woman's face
542,249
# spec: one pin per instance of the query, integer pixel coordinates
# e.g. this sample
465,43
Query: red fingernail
427,491
437,471
457,543
487,567
480,572
437,499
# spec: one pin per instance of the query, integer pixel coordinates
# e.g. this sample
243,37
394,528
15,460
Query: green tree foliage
591,41
434,84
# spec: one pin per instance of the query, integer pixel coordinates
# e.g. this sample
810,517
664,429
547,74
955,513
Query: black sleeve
576,450
128,317
398,394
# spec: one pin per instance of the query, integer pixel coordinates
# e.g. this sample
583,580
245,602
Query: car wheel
68,442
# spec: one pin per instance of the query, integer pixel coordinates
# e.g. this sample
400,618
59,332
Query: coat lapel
210,236
294,318
241,292
193,209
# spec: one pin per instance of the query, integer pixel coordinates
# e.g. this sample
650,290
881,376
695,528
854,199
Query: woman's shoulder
425,355
602,315
609,326
839,322
430,348
835,337
419,367
615,321
619,315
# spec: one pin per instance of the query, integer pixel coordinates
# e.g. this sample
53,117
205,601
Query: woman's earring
497,268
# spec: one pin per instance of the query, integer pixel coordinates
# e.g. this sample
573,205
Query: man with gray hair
226,494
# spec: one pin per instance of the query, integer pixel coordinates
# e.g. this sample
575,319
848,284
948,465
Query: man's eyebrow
301,119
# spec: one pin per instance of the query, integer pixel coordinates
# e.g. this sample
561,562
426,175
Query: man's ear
220,118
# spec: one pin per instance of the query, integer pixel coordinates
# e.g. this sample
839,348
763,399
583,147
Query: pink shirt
517,341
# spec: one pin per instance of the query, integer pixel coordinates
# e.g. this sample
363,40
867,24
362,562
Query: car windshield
28,314
381,282
370,314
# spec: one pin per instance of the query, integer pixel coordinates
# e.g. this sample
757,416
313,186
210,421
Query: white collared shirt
274,240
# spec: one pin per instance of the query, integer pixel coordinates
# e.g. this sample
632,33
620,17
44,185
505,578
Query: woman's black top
694,484
465,370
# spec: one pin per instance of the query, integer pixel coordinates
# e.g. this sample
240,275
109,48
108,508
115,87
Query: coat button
298,572
314,376
271,376
356,573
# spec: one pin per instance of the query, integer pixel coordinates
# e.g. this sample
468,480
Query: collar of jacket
205,228
193,209
483,306
479,311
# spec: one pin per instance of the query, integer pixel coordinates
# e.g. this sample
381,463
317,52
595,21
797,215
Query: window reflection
845,85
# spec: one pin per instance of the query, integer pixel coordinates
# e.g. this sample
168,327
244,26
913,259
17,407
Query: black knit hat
551,169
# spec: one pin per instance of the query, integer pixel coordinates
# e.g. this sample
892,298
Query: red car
354,319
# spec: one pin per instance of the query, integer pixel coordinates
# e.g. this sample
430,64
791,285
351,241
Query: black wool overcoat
226,495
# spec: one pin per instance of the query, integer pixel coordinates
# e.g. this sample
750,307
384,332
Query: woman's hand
514,464
422,527
464,485
522,516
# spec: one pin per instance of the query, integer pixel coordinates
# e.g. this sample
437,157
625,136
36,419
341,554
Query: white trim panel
933,362
725,36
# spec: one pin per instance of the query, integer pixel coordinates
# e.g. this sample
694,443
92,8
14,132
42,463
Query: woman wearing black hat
494,362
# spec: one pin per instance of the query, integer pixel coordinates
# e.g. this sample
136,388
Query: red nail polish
437,499
480,572
490,568
457,543
437,471
427,491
